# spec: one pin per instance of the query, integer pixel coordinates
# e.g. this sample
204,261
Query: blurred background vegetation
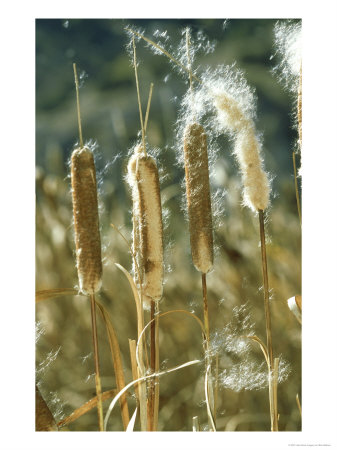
110,116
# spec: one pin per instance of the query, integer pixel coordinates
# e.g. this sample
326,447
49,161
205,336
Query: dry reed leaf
89,405
44,420
136,297
52,293
131,424
135,374
262,347
165,314
295,306
299,404
117,362
195,424
139,380
209,412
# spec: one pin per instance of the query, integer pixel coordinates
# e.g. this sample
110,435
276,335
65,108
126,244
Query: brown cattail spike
147,222
85,207
198,197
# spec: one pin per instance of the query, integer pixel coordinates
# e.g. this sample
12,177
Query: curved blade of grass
92,403
131,425
299,405
117,362
295,306
262,347
52,293
140,323
209,412
195,424
147,377
140,359
162,315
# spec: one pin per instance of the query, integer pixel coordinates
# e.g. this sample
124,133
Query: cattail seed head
198,197
147,223
247,150
86,223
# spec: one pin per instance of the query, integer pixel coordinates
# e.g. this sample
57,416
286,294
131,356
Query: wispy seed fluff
247,149
143,179
288,44
198,196
86,222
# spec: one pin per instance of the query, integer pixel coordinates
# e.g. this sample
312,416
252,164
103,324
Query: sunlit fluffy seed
247,150
147,223
86,222
198,197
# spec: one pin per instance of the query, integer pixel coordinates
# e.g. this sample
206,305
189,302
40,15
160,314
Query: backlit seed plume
288,44
247,149
198,196
86,223
143,179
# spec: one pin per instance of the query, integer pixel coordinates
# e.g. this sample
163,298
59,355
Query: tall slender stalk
272,390
96,357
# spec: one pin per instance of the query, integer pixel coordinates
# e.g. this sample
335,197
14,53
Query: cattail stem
296,189
152,368
78,106
138,94
205,302
272,391
156,379
96,357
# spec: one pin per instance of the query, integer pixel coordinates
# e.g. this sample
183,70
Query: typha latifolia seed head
85,212
143,179
198,196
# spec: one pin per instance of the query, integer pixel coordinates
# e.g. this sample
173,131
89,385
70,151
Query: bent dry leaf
88,406
147,377
117,362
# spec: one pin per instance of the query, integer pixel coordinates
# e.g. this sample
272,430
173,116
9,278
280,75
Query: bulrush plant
199,207
237,119
143,179
87,236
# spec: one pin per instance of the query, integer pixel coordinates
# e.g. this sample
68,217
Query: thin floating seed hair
85,211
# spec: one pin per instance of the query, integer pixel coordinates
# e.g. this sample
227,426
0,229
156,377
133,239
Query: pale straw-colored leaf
262,347
147,377
117,361
52,293
131,425
209,411
295,306
195,424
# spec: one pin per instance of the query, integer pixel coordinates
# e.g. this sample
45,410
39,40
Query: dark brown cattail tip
198,197
44,420
86,222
